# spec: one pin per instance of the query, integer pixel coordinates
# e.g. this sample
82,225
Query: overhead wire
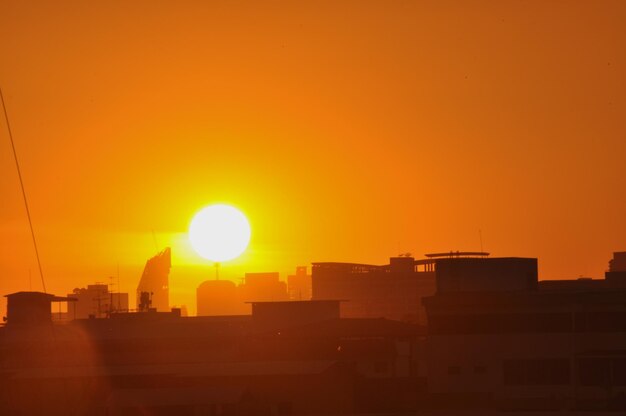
19,174
55,340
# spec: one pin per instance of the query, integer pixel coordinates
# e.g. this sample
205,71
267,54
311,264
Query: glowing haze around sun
219,233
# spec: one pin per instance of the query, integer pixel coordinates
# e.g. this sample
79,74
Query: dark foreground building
499,338
285,358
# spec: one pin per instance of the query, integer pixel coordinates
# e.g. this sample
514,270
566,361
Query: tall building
299,285
393,291
95,300
153,289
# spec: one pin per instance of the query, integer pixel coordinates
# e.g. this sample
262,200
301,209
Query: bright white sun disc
219,232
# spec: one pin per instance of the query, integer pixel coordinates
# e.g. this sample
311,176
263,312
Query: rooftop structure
618,262
31,308
616,274
486,274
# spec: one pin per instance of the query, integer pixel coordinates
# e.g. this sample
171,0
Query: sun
219,233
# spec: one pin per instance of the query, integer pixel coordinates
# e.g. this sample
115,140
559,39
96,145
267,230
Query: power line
19,174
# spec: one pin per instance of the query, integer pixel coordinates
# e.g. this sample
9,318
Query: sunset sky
345,131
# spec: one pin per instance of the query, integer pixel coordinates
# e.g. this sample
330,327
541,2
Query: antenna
111,307
19,174
119,289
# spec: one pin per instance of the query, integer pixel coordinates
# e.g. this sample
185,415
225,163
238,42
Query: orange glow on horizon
348,132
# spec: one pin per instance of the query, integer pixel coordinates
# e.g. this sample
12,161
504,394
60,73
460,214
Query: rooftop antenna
19,174
111,307
119,289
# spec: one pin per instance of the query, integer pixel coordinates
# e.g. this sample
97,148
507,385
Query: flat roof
52,298
458,254
291,302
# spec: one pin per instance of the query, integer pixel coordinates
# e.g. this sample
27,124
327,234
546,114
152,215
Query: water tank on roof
31,308
404,264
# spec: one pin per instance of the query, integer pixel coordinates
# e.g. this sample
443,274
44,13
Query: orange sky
347,131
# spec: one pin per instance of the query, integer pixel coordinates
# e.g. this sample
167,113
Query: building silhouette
299,285
285,358
223,297
616,275
618,262
263,287
219,297
497,339
31,309
96,300
153,289
393,291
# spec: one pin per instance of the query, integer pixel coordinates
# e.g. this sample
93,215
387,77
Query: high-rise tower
153,289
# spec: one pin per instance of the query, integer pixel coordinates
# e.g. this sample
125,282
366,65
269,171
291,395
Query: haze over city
312,208
344,132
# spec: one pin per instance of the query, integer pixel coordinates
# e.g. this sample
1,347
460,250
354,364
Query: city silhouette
455,330
294,208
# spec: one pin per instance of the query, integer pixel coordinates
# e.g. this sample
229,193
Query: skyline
458,333
501,119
